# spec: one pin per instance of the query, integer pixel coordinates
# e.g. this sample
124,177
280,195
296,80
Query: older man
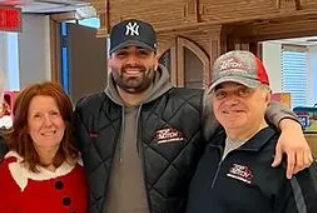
234,175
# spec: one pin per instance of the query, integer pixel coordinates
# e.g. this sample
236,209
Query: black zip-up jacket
170,142
245,182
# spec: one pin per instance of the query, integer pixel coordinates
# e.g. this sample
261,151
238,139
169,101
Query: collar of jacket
254,144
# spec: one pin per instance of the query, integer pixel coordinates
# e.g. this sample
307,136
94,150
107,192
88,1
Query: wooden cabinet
312,141
193,33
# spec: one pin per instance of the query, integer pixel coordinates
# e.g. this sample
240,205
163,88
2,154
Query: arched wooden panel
162,49
199,52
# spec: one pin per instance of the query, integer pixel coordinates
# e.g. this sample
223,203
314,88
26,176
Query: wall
272,61
34,50
9,60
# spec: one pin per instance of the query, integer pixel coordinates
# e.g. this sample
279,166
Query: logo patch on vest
240,172
168,135
93,135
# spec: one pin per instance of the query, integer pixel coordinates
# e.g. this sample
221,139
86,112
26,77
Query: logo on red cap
231,64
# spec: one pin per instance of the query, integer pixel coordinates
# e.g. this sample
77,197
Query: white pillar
9,60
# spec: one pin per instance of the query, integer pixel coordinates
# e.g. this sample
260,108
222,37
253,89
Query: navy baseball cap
132,32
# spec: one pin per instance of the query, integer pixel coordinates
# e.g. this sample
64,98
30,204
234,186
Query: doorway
81,59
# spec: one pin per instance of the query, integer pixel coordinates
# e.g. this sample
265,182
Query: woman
42,172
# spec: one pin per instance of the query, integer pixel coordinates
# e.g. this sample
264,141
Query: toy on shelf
308,117
6,109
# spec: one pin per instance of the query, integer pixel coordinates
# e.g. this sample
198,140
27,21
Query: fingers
296,161
308,158
278,157
299,162
290,164
303,160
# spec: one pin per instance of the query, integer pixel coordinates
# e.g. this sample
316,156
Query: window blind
294,78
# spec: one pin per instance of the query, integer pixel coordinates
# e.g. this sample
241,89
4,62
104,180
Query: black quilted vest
168,163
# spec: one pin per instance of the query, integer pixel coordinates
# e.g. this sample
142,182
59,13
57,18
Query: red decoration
10,19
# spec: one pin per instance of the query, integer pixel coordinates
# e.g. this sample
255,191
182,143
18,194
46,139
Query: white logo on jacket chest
240,172
167,135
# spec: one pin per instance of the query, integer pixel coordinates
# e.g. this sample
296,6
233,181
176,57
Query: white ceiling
46,6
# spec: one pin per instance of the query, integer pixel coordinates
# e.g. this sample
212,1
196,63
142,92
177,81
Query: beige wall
34,50
272,62
9,60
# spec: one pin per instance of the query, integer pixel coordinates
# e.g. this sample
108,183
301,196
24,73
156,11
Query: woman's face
45,123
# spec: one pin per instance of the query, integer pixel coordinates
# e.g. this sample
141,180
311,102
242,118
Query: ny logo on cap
132,29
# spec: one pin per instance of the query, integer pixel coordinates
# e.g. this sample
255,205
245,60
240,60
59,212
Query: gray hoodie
126,192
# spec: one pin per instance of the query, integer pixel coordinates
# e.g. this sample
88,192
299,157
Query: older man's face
238,107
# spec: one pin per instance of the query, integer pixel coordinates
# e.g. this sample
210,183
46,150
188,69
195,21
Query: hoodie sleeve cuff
275,113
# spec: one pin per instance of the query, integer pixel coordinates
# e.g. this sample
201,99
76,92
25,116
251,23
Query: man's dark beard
145,82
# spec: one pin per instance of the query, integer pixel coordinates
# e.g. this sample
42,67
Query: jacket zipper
221,150
222,160
216,175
